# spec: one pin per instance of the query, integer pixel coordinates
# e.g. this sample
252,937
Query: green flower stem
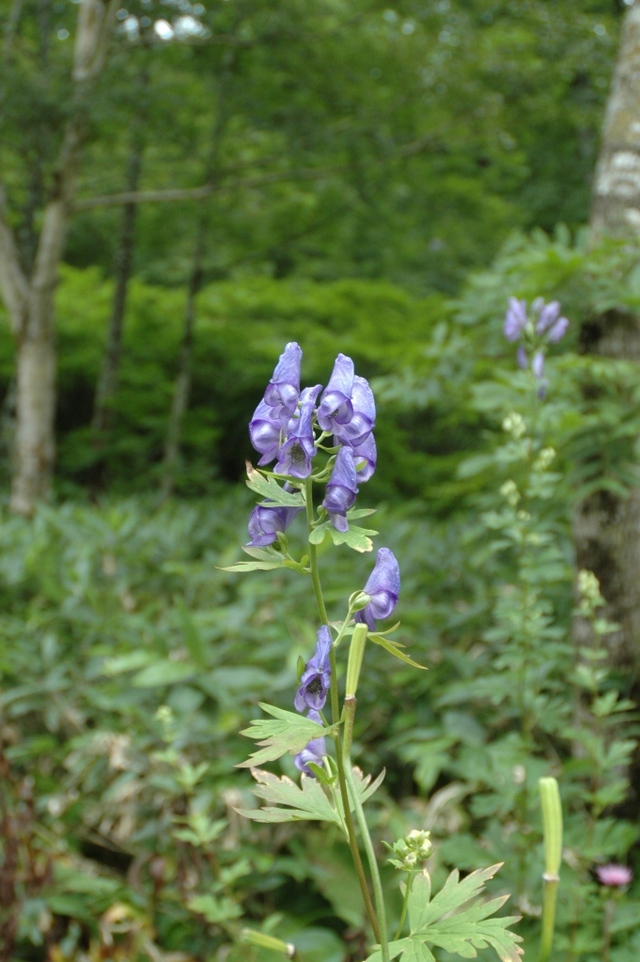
549,896
335,716
350,708
405,906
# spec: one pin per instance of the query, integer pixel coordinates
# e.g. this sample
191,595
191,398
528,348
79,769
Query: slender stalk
371,858
405,906
335,717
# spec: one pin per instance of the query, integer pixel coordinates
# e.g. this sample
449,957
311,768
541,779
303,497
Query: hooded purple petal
537,364
365,456
283,389
316,677
296,454
383,587
335,406
314,751
361,424
265,433
341,489
266,522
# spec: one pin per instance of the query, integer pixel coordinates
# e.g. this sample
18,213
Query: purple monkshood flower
537,364
516,319
314,751
361,424
266,522
549,321
295,455
365,456
335,406
283,390
613,875
316,677
383,587
265,432
341,489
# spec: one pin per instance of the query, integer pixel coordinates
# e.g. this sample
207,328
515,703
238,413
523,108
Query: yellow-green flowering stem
335,714
552,827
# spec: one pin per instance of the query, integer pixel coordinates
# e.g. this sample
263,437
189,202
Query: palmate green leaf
356,538
435,921
288,732
271,489
307,801
395,648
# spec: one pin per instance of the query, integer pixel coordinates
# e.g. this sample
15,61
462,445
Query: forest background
185,188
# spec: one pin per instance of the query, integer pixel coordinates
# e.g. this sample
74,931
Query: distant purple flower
363,419
558,330
314,751
296,454
335,406
516,319
613,875
537,364
341,489
283,390
265,432
316,677
365,452
521,356
266,522
383,587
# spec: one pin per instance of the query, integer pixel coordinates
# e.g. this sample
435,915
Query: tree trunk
108,380
607,527
29,297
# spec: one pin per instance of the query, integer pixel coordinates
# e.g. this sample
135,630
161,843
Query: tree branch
13,283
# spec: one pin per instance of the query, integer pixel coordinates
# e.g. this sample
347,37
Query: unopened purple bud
537,364
283,390
296,454
521,356
383,588
314,751
341,489
316,677
515,320
267,522
335,406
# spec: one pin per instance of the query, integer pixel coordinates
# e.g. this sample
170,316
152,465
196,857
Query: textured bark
29,294
616,189
607,527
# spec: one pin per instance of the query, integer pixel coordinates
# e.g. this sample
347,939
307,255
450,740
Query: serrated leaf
307,801
271,490
395,648
356,538
461,932
287,732
304,801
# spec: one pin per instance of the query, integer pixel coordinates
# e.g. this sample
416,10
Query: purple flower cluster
535,333
383,588
287,425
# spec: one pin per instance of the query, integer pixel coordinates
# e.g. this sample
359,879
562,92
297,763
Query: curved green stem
335,717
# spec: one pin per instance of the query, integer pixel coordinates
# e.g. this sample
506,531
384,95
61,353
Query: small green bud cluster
411,851
514,425
544,459
509,490
589,589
